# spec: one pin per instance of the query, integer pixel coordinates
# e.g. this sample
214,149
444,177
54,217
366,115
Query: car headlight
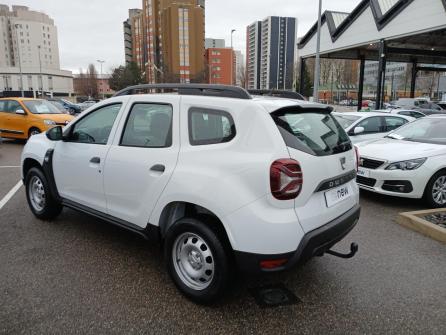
49,122
412,164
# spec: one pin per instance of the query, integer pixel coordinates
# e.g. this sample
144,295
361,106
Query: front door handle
158,168
95,160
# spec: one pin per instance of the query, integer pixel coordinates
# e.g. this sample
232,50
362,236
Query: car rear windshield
346,120
41,107
312,131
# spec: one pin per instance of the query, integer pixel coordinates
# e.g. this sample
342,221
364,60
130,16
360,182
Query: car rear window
314,132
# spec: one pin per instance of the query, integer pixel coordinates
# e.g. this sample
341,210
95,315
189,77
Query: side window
405,113
208,126
9,106
371,125
96,126
148,126
393,123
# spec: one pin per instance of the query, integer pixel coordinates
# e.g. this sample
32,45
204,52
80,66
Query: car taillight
286,179
357,158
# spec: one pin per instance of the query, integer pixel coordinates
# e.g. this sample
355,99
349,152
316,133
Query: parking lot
81,275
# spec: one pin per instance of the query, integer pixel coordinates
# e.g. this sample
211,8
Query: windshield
426,130
346,120
313,132
41,107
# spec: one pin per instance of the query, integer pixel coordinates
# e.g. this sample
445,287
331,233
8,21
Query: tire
33,131
192,249
435,193
39,197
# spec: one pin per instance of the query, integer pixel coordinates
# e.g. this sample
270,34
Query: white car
365,126
410,162
267,182
406,112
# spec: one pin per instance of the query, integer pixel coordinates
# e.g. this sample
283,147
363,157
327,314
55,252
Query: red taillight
357,158
272,263
285,179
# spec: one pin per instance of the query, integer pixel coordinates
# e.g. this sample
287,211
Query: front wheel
33,131
435,193
197,261
40,200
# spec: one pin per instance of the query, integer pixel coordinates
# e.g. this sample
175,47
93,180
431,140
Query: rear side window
208,126
148,126
313,132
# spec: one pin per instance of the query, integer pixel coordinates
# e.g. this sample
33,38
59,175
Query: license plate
338,194
363,173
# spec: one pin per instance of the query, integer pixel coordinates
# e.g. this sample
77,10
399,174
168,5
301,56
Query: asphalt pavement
81,275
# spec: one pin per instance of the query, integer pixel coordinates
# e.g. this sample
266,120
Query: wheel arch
28,164
177,210
442,169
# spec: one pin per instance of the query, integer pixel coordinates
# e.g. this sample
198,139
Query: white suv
220,178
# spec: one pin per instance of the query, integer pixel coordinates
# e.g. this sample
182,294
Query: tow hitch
353,250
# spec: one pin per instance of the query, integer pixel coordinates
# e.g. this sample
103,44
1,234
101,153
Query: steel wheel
34,132
36,193
439,191
193,261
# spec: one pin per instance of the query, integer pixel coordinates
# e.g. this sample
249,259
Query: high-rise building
129,33
221,66
214,43
272,43
170,42
253,50
30,47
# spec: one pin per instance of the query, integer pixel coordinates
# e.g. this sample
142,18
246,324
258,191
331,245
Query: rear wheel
435,194
197,261
39,197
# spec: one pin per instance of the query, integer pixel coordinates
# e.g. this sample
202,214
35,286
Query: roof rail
224,91
278,94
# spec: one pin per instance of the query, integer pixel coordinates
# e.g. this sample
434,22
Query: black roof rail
224,91
278,94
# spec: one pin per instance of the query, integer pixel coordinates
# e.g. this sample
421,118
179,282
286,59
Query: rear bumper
314,243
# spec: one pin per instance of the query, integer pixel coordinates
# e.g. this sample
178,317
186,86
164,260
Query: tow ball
353,250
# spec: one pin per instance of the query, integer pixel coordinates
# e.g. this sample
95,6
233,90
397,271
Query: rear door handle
95,160
158,168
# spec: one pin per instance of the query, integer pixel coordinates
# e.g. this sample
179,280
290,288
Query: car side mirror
20,112
55,134
359,130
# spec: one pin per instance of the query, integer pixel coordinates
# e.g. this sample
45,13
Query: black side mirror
55,134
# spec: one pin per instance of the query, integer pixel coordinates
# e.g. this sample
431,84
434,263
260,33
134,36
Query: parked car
368,126
421,105
86,104
410,162
407,112
266,182
72,108
20,118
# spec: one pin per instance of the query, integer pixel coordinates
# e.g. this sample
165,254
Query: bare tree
241,75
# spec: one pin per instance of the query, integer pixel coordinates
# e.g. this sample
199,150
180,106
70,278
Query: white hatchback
410,162
364,126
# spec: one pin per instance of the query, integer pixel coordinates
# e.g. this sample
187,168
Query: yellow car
21,118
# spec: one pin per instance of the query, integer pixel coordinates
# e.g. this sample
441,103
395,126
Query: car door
373,128
393,122
142,158
78,161
14,125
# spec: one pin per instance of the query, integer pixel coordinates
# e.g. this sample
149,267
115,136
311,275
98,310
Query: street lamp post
20,62
232,57
101,62
317,67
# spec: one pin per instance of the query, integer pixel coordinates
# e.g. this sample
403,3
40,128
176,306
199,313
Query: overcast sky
92,29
